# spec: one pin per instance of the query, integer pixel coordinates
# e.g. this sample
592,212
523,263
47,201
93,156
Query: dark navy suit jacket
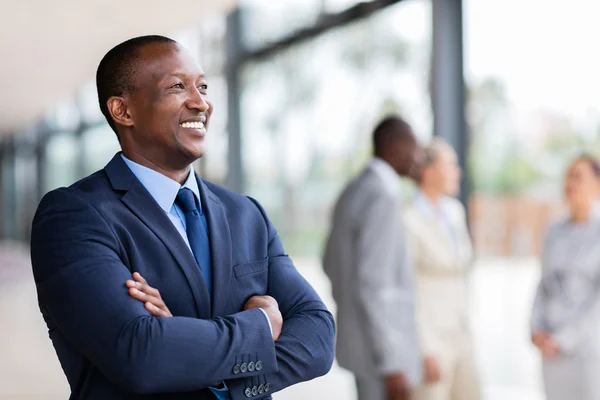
89,238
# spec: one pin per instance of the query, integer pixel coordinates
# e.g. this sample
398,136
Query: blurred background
298,86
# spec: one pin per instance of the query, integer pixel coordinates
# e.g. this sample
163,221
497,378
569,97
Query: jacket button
236,369
254,391
267,387
251,366
258,365
261,389
244,368
248,392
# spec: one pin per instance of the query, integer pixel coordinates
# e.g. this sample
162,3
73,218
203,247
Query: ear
119,111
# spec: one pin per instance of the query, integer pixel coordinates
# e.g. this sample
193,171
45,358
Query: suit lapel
220,248
439,231
141,203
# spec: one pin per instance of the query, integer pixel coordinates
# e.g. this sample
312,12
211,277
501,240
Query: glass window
61,161
25,169
332,6
65,116
527,118
532,79
308,114
99,145
265,21
7,172
88,104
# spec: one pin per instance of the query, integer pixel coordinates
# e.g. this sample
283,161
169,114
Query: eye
203,87
177,86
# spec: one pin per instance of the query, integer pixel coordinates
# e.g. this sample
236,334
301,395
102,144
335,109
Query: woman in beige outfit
442,251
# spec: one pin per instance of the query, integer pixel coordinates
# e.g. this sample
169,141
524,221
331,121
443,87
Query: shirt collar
425,205
162,188
387,174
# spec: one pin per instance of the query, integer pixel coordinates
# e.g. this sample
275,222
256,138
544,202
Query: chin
196,155
193,151
453,191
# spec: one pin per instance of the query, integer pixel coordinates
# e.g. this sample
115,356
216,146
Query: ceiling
48,49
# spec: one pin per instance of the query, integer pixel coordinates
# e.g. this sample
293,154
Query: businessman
146,229
372,279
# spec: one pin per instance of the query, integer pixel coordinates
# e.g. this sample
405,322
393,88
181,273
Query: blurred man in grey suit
372,279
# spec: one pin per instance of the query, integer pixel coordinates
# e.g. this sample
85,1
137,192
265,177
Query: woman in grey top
566,311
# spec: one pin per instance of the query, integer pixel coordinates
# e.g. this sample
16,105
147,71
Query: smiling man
156,284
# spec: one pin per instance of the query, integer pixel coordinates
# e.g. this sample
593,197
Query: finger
137,294
143,297
154,310
149,290
138,277
130,284
160,310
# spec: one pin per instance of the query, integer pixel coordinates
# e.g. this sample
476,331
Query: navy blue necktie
197,233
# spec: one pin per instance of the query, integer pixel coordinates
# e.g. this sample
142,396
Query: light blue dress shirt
164,191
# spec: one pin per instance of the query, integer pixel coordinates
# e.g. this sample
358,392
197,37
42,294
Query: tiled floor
502,293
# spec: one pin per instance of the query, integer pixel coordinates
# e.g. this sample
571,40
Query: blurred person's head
153,95
582,185
440,173
395,143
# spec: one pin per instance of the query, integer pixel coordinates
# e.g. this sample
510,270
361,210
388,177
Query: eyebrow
182,75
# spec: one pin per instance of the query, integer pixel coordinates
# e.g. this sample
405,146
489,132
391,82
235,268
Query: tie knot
185,200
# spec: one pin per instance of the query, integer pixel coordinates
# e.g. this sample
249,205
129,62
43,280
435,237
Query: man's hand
432,371
270,306
140,290
397,387
546,344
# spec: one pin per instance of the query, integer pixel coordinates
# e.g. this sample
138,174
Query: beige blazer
442,251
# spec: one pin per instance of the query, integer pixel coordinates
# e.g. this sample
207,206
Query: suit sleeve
387,305
305,348
81,285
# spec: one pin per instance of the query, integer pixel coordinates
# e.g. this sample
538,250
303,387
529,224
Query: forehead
159,60
580,166
447,153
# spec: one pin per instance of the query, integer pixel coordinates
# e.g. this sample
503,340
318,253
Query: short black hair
116,70
388,130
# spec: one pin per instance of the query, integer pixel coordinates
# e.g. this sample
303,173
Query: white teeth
193,125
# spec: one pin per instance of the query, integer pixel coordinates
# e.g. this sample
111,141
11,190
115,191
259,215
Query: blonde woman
442,250
566,312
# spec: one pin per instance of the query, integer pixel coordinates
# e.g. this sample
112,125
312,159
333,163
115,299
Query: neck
179,175
581,213
432,194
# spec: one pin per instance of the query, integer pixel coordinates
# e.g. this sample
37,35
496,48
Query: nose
196,101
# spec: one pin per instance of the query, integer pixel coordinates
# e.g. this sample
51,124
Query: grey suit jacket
372,280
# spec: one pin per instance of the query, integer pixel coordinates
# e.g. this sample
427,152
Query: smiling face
163,120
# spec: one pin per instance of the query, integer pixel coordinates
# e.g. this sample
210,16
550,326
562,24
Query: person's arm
429,345
537,320
388,306
80,278
305,347
540,336
537,314
572,334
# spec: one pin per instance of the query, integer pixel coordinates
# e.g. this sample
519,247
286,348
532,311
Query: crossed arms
80,279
